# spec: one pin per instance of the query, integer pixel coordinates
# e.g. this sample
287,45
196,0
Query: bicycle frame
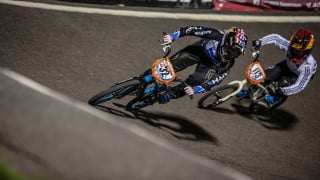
241,84
162,73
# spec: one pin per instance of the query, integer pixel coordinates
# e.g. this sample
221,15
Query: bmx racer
298,67
214,56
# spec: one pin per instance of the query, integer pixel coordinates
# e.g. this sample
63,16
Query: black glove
278,93
256,44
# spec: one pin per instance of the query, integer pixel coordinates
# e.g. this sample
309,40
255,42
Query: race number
163,71
255,73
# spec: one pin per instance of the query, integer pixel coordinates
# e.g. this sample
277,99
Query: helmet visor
230,53
295,53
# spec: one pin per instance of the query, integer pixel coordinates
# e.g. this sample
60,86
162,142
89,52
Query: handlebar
185,85
165,47
255,53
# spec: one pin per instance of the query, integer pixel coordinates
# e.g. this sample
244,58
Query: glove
256,44
279,92
198,89
189,90
269,99
195,90
167,39
164,98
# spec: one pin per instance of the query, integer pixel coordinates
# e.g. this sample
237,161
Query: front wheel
141,102
214,97
117,91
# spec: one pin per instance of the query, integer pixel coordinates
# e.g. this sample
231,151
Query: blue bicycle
145,88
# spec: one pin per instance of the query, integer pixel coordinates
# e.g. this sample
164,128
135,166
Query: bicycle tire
117,91
211,99
144,101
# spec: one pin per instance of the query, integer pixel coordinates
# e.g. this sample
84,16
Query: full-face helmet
301,44
234,43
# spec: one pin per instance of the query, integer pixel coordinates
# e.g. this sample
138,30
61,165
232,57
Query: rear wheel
213,98
261,106
117,91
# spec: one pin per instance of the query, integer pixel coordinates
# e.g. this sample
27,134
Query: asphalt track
81,54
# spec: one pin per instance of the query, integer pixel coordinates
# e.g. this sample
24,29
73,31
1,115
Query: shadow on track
276,119
177,126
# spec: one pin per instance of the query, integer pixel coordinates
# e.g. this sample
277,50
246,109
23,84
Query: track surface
82,54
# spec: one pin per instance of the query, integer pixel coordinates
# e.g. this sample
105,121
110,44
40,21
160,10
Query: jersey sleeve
199,31
275,39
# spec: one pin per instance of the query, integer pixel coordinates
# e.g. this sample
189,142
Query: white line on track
164,15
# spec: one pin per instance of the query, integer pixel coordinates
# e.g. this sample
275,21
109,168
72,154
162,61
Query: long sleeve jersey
304,71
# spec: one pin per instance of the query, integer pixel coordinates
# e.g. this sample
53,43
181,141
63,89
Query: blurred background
233,5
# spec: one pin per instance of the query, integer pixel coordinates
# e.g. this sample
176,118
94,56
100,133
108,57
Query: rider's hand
189,90
167,39
256,44
193,90
279,92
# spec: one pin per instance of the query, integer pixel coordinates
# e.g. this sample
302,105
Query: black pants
280,72
187,57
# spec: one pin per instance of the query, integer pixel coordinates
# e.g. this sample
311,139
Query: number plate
163,71
255,73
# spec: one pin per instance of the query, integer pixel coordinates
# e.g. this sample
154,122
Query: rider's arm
208,85
303,79
199,31
216,79
275,39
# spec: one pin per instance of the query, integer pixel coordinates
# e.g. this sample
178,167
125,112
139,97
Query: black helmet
234,43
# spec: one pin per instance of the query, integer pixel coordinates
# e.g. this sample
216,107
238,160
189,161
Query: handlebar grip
185,84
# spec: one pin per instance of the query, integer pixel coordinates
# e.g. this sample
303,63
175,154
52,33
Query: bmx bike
145,88
255,83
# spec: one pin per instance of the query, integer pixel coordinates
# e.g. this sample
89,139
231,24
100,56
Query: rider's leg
273,73
279,73
186,57
183,59
202,74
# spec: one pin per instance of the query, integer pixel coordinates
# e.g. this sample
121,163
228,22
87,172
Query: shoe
243,94
164,98
269,99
